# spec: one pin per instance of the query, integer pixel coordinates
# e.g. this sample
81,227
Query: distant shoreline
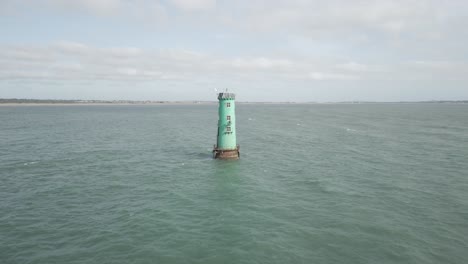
41,102
34,102
97,104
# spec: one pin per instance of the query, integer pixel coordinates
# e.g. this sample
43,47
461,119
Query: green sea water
372,183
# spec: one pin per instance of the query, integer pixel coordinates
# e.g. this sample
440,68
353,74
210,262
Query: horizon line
124,101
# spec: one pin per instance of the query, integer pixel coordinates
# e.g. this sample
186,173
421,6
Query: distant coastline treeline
59,101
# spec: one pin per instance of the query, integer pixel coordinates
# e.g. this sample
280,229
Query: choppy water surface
315,184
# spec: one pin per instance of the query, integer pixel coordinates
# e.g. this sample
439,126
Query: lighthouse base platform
226,153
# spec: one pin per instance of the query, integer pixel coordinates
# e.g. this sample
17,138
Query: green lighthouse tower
226,146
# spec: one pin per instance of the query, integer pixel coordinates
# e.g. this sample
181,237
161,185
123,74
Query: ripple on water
315,183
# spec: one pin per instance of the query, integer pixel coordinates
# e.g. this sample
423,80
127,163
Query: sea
315,183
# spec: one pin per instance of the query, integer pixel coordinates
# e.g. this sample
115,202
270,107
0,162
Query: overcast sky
264,50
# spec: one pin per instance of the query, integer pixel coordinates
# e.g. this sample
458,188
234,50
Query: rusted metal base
226,153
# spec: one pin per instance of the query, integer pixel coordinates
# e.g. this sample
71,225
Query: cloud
294,42
78,61
73,48
370,20
130,8
353,66
260,63
383,23
322,76
100,7
434,70
73,60
145,11
194,4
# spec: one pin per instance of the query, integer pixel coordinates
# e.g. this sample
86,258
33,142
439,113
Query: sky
263,50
